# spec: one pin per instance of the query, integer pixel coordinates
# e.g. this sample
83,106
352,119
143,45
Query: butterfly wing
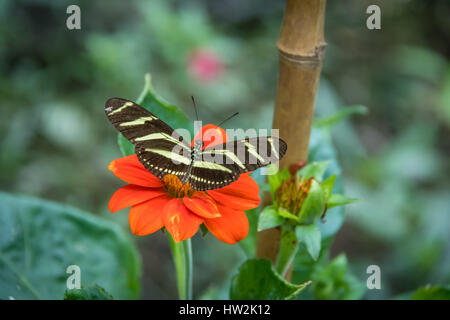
159,148
132,120
222,164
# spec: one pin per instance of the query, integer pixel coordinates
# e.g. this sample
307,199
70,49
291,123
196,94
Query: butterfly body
163,151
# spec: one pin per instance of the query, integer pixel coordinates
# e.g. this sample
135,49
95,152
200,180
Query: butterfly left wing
222,164
159,148
162,162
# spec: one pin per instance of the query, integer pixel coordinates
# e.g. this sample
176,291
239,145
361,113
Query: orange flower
180,209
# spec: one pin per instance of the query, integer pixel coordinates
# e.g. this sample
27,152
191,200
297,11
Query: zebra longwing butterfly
163,151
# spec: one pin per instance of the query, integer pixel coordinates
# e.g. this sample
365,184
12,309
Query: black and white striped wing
222,164
162,162
159,148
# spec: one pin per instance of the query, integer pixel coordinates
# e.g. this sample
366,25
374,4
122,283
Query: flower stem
288,249
182,258
187,249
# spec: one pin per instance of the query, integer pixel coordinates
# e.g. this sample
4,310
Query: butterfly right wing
159,148
222,164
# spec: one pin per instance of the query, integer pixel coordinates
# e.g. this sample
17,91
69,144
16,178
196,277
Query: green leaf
339,200
258,280
125,146
322,149
91,293
309,236
338,116
314,204
269,218
286,214
304,266
275,180
327,186
432,293
40,239
333,282
313,170
168,113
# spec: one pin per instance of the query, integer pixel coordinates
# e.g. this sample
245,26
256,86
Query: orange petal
131,195
201,204
243,194
181,223
211,135
231,227
147,217
130,170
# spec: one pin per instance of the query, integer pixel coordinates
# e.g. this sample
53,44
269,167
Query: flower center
174,187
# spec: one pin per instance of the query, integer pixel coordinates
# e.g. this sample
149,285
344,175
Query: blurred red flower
180,209
205,65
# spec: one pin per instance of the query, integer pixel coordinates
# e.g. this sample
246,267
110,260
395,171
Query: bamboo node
313,59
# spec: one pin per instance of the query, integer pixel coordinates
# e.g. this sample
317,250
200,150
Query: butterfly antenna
195,107
228,119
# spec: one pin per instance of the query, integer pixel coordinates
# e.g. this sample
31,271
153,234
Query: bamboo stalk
301,48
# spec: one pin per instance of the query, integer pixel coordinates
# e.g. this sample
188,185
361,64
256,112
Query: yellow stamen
291,194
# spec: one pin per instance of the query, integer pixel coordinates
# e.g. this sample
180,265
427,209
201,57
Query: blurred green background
56,141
